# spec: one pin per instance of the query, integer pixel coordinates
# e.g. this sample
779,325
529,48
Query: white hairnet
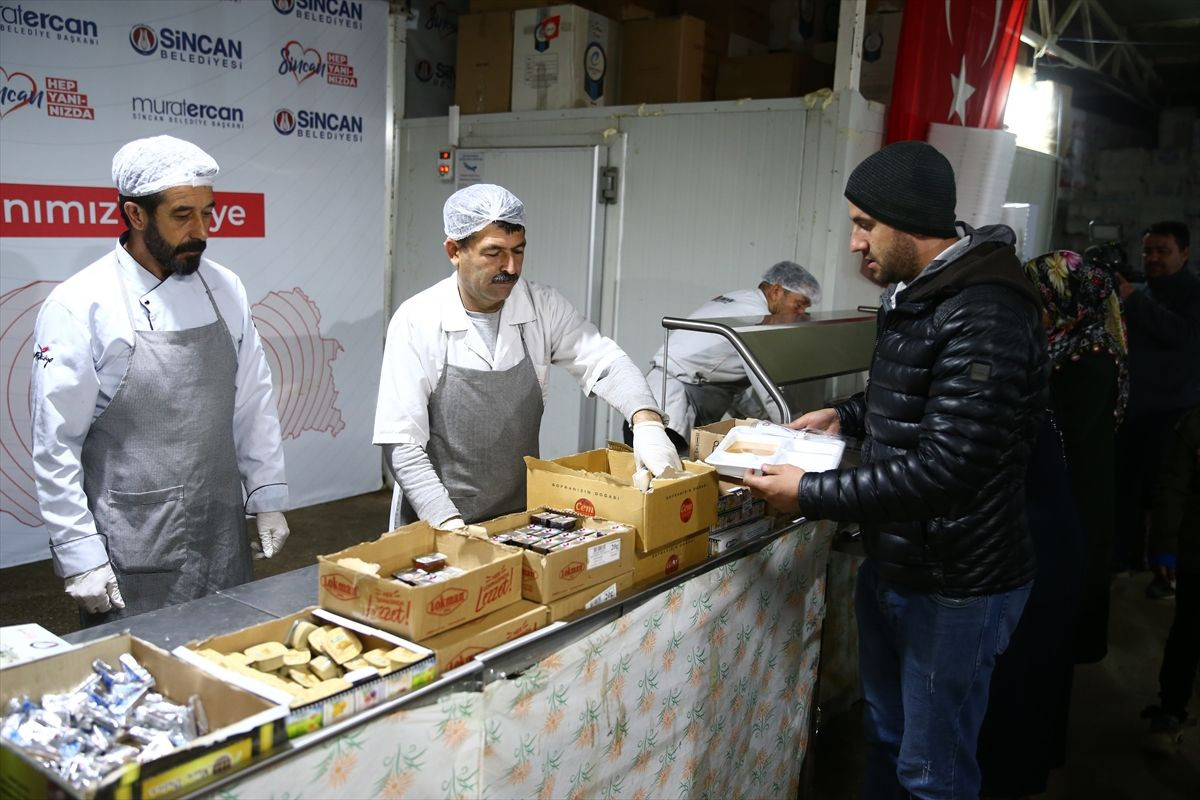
473,208
147,166
794,278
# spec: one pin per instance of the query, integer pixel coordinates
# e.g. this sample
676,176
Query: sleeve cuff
79,555
271,497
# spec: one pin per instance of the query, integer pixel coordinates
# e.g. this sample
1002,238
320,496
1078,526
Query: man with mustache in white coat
465,373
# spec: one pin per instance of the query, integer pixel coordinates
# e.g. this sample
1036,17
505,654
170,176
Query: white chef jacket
709,358
83,342
431,329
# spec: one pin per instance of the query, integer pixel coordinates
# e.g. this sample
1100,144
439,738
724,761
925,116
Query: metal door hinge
608,185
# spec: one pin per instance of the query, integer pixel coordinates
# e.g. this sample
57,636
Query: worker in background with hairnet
706,378
465,373
155,429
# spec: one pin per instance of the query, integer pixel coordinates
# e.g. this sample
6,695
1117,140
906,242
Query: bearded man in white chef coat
465,373
155,429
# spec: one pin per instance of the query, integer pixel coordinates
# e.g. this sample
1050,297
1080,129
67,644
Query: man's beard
181,260
903,261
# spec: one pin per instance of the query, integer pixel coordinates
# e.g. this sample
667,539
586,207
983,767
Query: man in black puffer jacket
956,391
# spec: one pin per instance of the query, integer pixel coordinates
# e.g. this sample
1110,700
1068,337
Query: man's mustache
186,248
505,277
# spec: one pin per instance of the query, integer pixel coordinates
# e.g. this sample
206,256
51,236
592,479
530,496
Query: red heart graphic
6,93
301,68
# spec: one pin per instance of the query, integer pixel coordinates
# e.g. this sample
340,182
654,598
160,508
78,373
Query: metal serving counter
699,685
784,349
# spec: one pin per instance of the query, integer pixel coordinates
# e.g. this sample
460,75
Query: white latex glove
96,590
652,449
452,524
272,533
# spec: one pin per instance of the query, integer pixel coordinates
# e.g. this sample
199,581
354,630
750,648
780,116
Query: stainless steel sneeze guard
784,349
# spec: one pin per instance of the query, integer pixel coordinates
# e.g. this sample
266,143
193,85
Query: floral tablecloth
704,691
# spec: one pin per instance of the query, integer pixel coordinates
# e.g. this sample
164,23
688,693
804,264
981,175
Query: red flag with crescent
954,64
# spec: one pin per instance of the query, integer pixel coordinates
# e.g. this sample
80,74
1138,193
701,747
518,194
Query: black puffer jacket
957,388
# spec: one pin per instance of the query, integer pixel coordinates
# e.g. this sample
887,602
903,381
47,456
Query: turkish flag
954,64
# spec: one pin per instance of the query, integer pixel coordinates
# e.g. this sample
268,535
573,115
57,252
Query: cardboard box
748,18
244,726
666,61
369,687
705,438
598,483
483,79
549,576
771,75
591,598
666,561
563,57
491,582
613,9
457,646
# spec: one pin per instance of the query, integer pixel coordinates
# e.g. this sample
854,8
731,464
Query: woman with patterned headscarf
1070,489
1089,389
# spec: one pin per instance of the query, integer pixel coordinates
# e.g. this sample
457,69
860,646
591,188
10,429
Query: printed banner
289,96
954,64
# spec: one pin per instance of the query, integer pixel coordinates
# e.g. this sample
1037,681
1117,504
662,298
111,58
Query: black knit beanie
908,185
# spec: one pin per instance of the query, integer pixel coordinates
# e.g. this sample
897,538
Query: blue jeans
926,661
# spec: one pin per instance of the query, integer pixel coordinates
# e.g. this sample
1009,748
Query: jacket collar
137,277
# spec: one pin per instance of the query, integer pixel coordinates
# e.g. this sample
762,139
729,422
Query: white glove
96,590
652,449
452,524
272,533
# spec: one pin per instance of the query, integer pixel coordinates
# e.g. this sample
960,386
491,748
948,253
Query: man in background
706,378
1163,318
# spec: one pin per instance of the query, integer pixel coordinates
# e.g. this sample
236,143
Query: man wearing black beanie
955,396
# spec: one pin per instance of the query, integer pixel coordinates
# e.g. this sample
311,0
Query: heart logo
303,62
17,90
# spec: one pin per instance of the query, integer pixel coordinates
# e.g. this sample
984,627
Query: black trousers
1181,656
1141,445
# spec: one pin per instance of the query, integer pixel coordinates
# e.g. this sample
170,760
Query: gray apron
160,471
482,423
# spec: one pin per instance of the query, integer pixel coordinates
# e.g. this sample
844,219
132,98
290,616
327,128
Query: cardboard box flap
594,463
613,467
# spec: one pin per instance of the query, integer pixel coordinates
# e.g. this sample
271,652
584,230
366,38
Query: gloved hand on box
653,449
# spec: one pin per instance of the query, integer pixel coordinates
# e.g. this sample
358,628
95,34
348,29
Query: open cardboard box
591,598
549,576
457,646
599,483
705,438
243,725
368,686
491,581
